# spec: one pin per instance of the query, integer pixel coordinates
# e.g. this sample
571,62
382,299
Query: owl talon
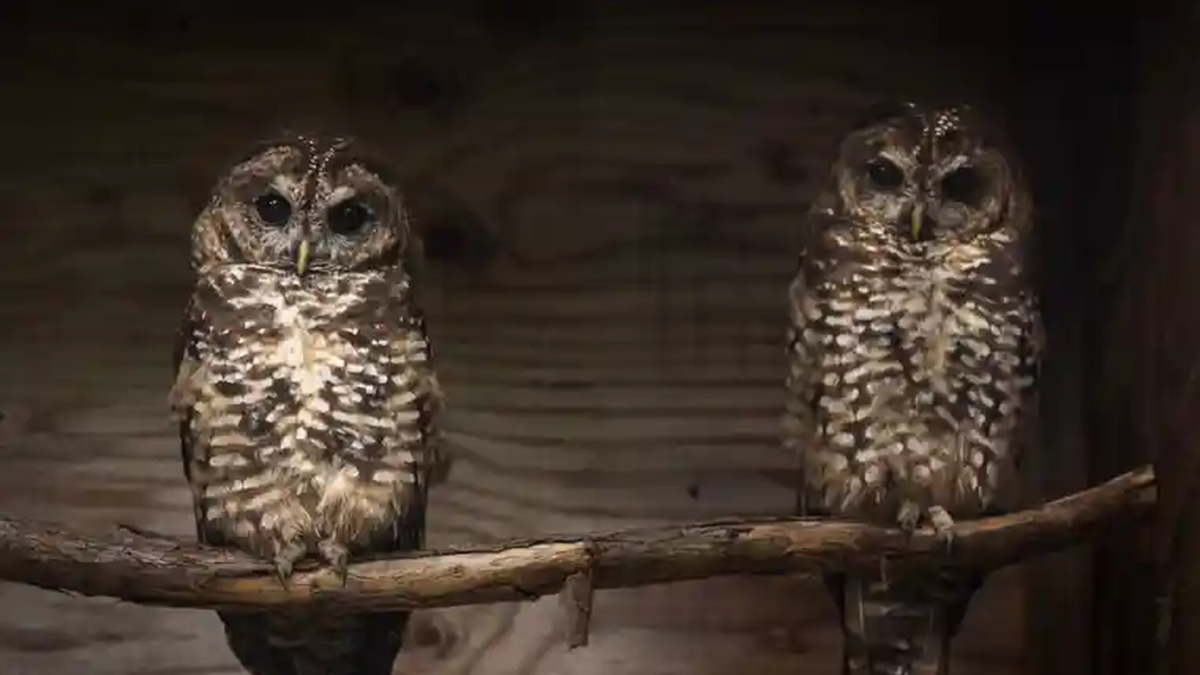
285,561
337,557
283,570
909,517
947,537
943,525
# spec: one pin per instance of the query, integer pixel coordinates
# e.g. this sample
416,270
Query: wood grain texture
148,568
639,167
1151,621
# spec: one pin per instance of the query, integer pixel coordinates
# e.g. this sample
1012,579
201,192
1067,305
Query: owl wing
804,383
1027,429
410,340
431,402
187,370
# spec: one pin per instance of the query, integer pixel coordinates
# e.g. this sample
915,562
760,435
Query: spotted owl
305,389
914,346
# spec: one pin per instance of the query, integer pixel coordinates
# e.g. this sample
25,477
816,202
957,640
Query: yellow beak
302,257
918,215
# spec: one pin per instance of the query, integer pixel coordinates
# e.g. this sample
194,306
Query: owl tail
901,626
315,642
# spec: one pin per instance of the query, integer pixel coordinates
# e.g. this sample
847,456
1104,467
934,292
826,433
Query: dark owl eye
885,174
273,209
964,186
348,217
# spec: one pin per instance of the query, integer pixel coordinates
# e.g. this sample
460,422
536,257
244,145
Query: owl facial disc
927,176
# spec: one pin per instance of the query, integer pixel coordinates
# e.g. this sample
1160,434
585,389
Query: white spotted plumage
297,479
907,308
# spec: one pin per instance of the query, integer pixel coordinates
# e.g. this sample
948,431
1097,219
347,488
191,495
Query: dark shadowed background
610,193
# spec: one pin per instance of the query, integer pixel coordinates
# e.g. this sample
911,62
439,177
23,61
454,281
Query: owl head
919,173
305,203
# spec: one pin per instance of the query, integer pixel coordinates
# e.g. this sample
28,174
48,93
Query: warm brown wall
1147,364
1073,88
616,361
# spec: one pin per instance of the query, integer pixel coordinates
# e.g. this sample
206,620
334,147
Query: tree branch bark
150,569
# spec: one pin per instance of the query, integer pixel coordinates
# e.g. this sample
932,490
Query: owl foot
336,556
285,561
943,525
909,516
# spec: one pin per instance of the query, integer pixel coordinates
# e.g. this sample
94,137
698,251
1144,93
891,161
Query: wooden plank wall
1071,111
625,179
1148,590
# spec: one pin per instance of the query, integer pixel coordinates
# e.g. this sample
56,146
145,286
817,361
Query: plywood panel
616,362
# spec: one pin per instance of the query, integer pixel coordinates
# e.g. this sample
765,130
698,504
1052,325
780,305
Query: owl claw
283,570
943,525
909,516
337,557
285,561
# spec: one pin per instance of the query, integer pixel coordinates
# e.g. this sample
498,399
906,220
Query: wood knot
421,85
457,236
432,631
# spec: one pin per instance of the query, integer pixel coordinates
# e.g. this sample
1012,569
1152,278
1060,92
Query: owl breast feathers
914,326
305,384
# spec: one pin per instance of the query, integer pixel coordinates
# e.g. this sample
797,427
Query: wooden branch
149,569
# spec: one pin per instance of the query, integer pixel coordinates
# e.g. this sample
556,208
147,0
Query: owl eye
273,209
964,186
348,217
885,174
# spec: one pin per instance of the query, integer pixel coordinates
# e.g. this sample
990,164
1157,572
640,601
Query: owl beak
302,257
918,217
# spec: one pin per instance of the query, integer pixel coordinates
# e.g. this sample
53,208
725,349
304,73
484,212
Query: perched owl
305,389
914,347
